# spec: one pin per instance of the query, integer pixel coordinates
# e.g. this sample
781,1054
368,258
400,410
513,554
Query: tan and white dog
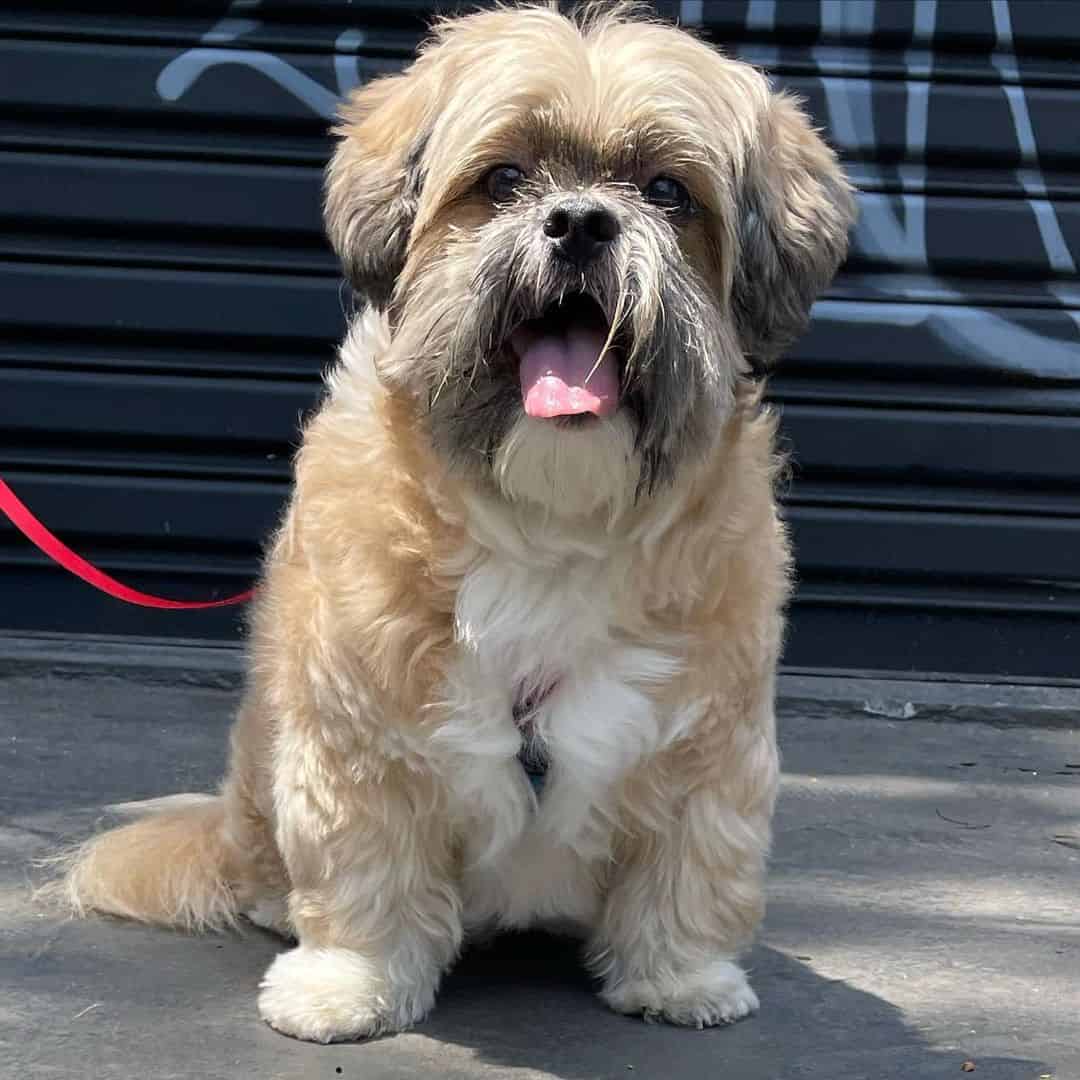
533,522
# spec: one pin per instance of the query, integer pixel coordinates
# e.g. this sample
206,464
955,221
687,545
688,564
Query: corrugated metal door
167,303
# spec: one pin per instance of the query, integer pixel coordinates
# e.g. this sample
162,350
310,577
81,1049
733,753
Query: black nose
581,229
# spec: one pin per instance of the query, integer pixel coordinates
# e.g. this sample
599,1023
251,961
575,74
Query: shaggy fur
445,557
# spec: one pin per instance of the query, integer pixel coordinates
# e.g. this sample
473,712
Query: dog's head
584,232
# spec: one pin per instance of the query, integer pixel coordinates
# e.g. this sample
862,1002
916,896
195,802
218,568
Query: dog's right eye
502,182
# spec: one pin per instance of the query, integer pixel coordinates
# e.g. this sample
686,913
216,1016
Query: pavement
924,911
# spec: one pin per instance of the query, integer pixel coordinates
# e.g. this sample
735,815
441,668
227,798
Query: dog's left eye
502,182
668,194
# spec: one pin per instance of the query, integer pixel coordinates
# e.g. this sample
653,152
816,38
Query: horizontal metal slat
941,342
75,457
62,189
222,411
148,82
877,543
825,634
980,181
188,27
951,124
965,27
141,510
875,493
204,359
790,386
964,235
1032,597
934,447
117,246
216,144
862,61
45,597
279,308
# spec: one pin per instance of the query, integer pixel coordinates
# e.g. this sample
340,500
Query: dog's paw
271,913
719,994
332,995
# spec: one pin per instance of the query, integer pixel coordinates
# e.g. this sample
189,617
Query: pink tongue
560,375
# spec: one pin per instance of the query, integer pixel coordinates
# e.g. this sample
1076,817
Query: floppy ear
374,179
794,214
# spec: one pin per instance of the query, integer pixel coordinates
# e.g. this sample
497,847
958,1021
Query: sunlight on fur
534,518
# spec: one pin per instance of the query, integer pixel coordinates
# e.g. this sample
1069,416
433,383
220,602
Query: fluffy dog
533,526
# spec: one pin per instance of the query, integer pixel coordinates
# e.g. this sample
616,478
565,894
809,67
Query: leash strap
23,520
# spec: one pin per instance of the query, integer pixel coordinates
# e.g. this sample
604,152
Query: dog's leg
372,902
688,894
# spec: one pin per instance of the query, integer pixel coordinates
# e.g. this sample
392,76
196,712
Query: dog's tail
171,868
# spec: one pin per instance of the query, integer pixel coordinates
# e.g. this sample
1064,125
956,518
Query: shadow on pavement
525,1003
522,1006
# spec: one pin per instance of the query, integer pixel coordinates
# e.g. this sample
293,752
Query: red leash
60,553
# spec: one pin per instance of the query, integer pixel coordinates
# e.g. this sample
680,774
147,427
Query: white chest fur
528,621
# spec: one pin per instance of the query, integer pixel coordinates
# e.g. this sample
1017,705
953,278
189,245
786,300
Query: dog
512,660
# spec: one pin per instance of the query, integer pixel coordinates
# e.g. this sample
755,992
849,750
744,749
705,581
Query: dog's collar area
532,756
535,766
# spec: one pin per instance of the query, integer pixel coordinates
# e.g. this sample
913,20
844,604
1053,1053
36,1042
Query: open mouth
567,366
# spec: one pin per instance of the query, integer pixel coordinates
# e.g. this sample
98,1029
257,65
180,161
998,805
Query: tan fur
339,810
171,868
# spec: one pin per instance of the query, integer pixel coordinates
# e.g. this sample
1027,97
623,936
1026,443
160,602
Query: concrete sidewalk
925,912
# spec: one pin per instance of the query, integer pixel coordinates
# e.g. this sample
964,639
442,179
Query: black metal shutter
167,304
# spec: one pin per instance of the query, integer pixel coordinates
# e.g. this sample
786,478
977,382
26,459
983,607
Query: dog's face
585,233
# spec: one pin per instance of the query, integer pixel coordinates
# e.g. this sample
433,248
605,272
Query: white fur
353,382
271,913
325,995
541,605
140,808
716,994
575,471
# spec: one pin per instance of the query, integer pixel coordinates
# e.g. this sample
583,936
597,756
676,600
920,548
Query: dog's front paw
718,994
331,995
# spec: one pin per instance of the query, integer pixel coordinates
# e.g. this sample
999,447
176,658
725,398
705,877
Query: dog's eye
668,194
502,182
